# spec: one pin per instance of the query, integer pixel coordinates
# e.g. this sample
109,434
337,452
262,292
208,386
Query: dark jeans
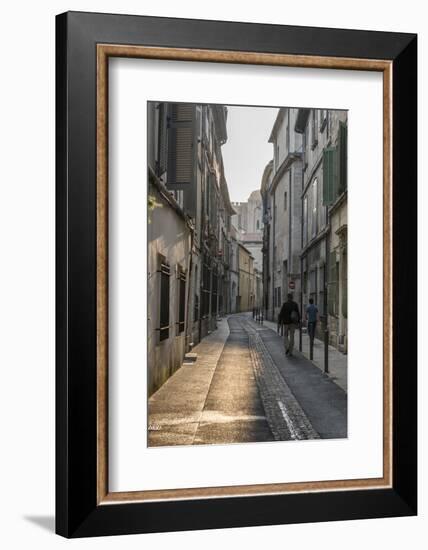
311,329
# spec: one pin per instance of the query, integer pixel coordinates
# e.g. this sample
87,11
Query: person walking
289,316
312,317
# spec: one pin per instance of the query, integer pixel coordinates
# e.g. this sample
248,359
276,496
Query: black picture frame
77,512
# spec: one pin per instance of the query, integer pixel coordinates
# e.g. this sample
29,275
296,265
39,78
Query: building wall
254,243
185,156
254,213
338,323
305,234
234,274
246,280
169,236
324,254
282,212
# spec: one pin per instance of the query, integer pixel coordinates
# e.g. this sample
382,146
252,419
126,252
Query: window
285,201
314,207
258,225
214,293
314,128
305,144
321,293
287,134
196,308
179,197
333,286
335,169
305,220
206,289
313,287
342,158
181,299
285,274
323,119
165,273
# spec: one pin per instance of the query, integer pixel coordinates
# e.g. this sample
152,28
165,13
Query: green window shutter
329,176
343,157
180,145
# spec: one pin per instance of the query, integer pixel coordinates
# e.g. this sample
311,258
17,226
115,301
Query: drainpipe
301,261
273,259
189,287
326,276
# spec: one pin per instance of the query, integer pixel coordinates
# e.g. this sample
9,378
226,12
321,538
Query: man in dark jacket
289,316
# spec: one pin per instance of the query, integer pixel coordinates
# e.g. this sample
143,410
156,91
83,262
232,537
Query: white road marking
288,421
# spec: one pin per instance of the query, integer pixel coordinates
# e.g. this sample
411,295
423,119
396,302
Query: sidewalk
337,361
176,408
242,388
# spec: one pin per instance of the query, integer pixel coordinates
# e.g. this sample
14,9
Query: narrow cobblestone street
242,388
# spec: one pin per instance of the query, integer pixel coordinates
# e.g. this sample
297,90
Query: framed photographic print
236,274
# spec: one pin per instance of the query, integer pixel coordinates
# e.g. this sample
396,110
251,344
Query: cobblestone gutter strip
285,416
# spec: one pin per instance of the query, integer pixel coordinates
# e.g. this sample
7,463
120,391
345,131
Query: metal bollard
326,338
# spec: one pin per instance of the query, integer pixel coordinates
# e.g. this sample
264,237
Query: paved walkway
175,409
242,388
337,361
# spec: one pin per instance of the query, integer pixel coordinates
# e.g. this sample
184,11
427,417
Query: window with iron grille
214,293
206,290
182,299
196,308
164,272
196,302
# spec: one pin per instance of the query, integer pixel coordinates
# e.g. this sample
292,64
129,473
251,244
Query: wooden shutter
180,145
342,157
163,139
329,176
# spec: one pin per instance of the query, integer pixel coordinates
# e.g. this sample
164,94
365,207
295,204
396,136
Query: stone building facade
248,221
185,162
304,193
281,189
324,218
246,297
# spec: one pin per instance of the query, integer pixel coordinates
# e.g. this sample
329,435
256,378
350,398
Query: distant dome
255,196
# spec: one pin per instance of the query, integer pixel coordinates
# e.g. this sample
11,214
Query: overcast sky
247,151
